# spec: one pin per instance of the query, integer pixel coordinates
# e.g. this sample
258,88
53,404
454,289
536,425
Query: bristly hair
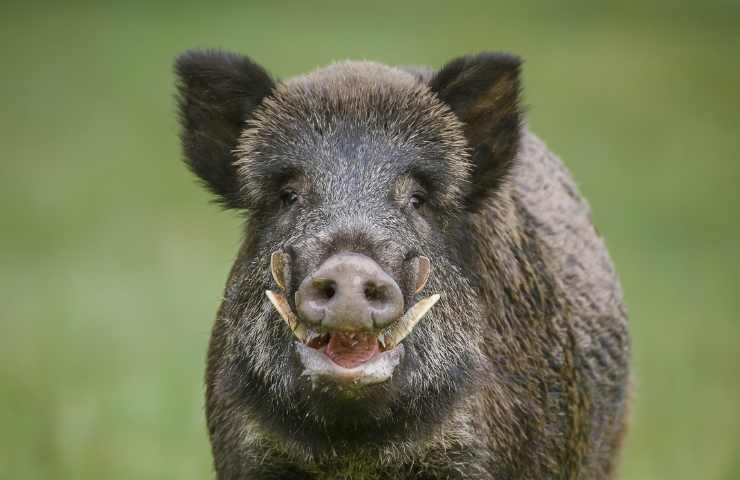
364,96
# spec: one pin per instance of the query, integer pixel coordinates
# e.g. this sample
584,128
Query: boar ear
217,92
483,91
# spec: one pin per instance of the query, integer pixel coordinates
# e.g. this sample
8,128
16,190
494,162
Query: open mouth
356,358
347,349
348,367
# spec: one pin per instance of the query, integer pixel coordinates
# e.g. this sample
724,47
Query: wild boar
420,292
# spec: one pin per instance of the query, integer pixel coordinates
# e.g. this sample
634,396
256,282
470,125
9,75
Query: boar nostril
325,289
375,293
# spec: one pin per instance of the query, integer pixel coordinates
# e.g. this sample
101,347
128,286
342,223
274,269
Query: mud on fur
379,187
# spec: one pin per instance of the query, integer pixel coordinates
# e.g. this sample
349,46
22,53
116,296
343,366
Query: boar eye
288,198
417,201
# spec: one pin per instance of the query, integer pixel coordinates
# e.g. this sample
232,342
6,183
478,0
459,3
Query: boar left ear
217,92
483,91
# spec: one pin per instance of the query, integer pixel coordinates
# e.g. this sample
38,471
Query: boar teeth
277,267
422,273
281,305
395,335
311,336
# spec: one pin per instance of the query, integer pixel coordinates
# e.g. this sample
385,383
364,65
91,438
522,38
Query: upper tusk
277,267
280,303
407,322
422,272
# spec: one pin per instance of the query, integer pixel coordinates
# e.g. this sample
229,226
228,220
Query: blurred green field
112,259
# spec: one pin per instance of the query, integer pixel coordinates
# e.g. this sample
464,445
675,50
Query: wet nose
349,292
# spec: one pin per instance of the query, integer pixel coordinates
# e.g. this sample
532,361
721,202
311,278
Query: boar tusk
407,322
281,305
277,267
422,273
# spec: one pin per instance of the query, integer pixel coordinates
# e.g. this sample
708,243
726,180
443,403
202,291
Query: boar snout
349,292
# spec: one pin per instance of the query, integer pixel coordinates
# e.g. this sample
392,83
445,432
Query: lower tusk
400,330
277,268
280,303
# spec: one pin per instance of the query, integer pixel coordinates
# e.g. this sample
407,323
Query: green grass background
112,260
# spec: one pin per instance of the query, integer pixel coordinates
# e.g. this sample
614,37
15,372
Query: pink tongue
351,349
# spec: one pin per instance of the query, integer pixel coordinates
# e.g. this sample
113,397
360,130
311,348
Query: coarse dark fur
521,371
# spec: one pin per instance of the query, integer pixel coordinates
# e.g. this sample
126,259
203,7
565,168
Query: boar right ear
483,91
217,92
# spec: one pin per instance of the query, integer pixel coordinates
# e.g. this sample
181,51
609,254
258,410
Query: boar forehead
355,126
